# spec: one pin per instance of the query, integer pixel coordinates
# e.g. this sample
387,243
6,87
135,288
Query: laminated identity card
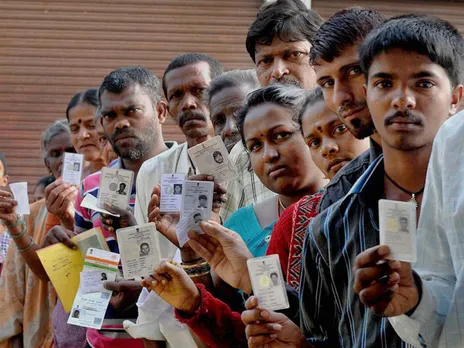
171,193
211,157
72,168
397,224
115,187
268,282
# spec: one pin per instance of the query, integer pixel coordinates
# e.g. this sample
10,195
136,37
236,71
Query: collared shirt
331,313
438,321
247,189
173,161
341,184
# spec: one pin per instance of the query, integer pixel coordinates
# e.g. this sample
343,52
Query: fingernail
277,327
210,177
383,250
75,247
384,279
273,336
154,283
105,286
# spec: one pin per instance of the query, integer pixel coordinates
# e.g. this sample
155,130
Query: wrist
193,305
418,284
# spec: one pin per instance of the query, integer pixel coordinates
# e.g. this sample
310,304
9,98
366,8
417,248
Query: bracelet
23,231
195,275
28,247
197,269
14,224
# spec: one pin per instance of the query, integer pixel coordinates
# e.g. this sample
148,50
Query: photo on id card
139,250
171,193
268,282
211,157
397,226
197,203
115,187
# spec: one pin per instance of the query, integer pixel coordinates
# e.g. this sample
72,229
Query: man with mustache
335,58
279,43
184,82
132,114
413,72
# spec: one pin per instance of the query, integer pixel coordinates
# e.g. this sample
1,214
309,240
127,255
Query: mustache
353,106
404,114
187,115
287,80
122,131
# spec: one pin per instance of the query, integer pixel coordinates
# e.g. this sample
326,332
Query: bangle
28,247
197,269
23,231
14,224
195,275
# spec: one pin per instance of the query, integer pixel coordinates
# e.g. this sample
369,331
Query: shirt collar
369,181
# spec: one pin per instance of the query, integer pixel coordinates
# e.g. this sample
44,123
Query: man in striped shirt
413,70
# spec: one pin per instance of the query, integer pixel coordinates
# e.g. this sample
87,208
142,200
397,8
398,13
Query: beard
144,141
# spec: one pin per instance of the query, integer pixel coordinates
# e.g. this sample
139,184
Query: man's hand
226,253
219,196
125,294
8,207
59,234
112,223
269,329
387,287
174,286
59,199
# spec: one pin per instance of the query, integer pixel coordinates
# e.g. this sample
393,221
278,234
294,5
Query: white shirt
174,160
438,321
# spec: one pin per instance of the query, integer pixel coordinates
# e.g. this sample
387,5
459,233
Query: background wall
49,50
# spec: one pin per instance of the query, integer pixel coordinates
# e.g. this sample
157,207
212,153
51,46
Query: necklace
413,194
280,206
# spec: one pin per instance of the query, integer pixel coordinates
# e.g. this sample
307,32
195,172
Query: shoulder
452,128
240,213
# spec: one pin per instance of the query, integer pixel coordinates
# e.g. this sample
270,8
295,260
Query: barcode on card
97,321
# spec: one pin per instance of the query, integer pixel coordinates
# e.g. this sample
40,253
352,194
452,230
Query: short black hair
88,96
312,97
45,181
274,273
215,68
233,78
426,35
202,197
120,79
344,29
3,160
290,20
141,245
287,96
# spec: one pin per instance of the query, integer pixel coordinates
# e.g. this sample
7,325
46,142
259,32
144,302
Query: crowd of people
336,116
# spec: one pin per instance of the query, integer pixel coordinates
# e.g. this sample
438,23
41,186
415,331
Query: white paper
91,202
92,281
197,205
211,157
72,168
171,192
19,190
397,225
115,187
139,250
89,309
268,282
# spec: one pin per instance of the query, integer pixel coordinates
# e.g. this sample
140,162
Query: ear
47,165
456,99
365,89
162,111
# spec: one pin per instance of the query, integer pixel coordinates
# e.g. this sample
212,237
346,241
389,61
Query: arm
141,203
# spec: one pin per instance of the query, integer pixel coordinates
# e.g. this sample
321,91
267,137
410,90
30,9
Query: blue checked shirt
331,313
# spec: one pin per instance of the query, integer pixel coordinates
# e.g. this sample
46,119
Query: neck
195,141
158,147
376,138
407,169
316,185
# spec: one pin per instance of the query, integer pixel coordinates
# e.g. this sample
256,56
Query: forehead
59,141
317,116
278,46
350,55
82,111
262,118
134,94
198,73
405,64
229,97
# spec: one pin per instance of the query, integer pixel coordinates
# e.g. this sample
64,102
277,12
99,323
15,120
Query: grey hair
56,128
233,78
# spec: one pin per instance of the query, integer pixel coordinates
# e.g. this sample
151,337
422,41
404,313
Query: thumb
170,269
156,190
223,235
